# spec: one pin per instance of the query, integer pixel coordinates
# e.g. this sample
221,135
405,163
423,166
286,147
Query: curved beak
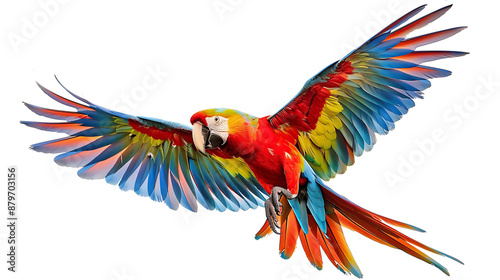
204,138
200,133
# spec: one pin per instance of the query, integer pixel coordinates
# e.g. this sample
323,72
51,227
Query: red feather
311,245
177,137
304,111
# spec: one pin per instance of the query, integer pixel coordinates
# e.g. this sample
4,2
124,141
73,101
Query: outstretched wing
154,158
339,110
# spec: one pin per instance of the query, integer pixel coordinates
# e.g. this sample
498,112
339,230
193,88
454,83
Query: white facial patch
218,125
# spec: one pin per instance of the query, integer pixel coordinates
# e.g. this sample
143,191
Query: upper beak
200,134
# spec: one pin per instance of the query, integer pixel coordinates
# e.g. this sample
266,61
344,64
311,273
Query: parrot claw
274,207
272,218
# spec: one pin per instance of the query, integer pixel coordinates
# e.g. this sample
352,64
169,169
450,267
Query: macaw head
219,128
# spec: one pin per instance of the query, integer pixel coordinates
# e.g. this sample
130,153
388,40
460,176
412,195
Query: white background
254,57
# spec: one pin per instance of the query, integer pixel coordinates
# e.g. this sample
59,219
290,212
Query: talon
274,208
280,209
271,217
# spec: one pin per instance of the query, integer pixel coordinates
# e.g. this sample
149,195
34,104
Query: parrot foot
273,206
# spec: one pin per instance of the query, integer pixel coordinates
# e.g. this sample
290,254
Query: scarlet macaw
232,160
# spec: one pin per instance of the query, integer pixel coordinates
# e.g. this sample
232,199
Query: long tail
340,212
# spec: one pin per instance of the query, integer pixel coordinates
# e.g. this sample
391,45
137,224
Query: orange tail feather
340,212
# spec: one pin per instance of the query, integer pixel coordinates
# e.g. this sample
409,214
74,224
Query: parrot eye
216,119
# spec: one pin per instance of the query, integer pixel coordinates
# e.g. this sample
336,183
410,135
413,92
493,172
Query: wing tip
417,9
421,7
44,89
33,124
31,107
36,148
447,7
74,95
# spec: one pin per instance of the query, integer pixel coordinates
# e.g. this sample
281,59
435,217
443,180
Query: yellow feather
305,143
320,141
327,157
145,138
120,121
323,171
235,166
320,129
157,142
313,152
330,128
330,136
123,128
334,104
136,138
337,123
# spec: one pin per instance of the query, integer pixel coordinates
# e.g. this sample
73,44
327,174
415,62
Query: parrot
231,160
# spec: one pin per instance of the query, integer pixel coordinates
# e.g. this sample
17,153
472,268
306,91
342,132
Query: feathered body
269,152
232,160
